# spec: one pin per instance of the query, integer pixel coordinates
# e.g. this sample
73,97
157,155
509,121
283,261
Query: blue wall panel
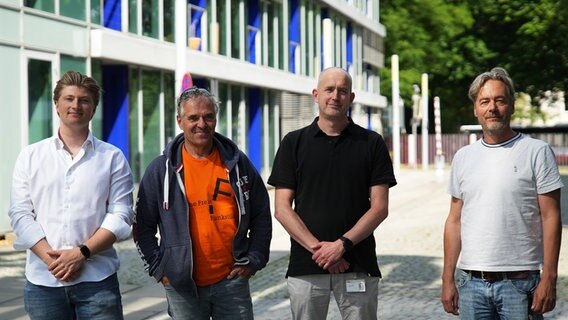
115,107
255,127
112,15
294,34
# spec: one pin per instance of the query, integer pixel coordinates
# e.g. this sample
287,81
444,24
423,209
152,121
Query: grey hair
194,93
497,73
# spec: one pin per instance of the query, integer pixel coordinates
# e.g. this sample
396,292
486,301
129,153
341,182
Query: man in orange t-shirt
212,211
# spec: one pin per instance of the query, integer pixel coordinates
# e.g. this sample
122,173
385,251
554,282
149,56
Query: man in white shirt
71,199
502,235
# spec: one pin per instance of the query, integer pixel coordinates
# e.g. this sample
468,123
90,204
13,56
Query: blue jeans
506,299
86,300
226,299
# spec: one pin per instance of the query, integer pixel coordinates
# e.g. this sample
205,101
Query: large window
40,107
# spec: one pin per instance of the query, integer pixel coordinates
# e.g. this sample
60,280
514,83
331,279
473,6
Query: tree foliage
453,41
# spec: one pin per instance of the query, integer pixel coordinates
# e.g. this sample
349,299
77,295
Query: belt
491,276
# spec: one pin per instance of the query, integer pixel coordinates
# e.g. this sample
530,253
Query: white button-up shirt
65,200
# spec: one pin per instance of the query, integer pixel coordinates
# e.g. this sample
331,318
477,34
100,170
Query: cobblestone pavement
409,250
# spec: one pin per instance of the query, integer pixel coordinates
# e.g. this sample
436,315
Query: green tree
454,40
432,36
528,38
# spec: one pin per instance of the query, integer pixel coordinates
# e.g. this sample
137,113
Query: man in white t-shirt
504,227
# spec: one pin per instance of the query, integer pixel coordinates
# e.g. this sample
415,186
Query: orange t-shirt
213,216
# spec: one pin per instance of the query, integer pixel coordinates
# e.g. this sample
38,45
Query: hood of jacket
227,149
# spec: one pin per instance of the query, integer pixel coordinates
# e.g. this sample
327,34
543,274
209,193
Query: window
169,20
96,11
97,121
40,107
45,5
150,18
73,8
133,16
170,106
197,27
134,106
150,116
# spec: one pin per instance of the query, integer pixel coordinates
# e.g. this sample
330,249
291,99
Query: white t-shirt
501,227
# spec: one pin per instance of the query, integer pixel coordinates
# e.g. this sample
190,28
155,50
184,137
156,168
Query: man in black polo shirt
338,175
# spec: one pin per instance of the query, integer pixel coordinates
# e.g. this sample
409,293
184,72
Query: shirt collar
89,142
314,130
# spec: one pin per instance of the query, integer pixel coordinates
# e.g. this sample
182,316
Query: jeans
86,300
226,299
507,299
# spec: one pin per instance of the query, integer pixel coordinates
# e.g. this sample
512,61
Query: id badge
357,285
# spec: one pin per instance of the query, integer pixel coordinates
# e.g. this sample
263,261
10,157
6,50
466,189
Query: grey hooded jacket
162,205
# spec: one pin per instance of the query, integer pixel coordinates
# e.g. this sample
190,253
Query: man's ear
315,94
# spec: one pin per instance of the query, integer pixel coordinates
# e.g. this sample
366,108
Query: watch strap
347,243
85,251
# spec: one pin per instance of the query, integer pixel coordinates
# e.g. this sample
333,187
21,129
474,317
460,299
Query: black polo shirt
331,177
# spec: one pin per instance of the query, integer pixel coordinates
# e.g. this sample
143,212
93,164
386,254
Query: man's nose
75,103
201,122
334,94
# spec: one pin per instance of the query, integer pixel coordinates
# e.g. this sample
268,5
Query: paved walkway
409,249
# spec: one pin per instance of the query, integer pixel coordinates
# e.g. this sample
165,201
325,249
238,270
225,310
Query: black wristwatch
85,251
347,243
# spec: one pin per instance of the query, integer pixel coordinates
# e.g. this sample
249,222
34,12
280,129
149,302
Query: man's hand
67,263
450,297
544,297
339,267
241,271
327,253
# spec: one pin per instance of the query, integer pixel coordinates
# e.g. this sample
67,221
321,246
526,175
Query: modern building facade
260,57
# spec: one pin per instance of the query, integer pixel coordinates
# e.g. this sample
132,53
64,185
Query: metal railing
453,142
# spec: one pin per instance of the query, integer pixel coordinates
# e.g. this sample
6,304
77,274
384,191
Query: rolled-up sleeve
120,215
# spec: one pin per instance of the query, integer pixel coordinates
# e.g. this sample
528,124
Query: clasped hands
65,264
329,256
